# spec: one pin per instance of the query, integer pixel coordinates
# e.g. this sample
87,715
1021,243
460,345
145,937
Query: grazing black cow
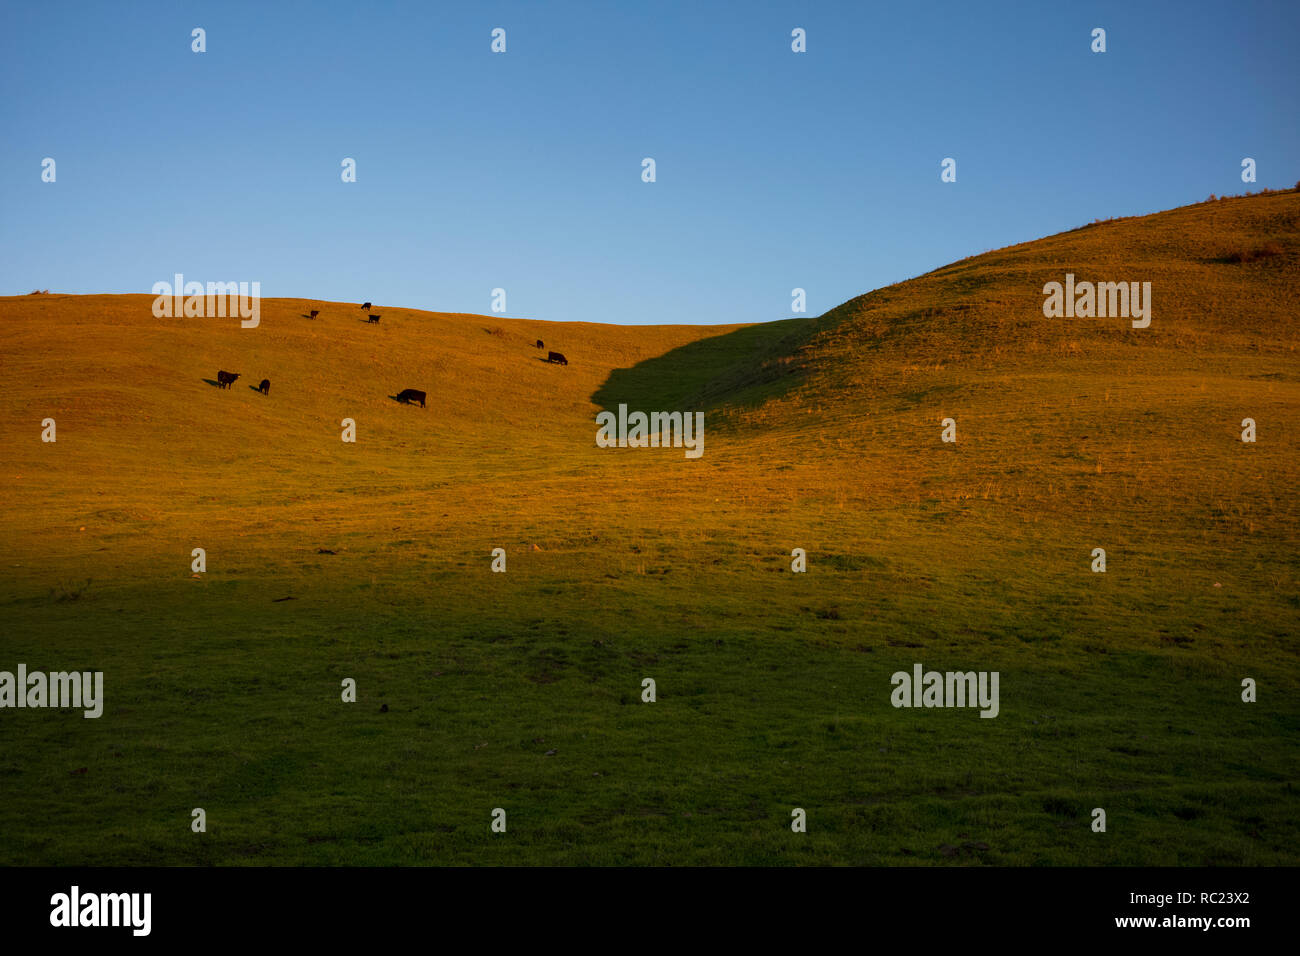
265,387
410,396
226,379
541,344
556,357
365,305
315,312
373,318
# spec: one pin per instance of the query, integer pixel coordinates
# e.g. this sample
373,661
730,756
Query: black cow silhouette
265,387
226,379
410,396
373,318
365,305
541,344
557,358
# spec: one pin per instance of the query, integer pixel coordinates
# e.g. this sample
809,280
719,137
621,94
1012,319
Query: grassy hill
522,690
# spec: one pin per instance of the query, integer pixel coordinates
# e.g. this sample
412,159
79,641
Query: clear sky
522,170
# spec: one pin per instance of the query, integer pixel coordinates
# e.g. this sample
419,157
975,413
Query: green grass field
522,690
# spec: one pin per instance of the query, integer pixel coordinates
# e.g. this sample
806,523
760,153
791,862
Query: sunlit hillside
372,560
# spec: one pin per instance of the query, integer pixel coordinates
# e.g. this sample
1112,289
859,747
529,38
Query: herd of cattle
227,379
408,396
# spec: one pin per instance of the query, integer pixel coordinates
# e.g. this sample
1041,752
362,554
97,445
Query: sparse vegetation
1266,251
66,592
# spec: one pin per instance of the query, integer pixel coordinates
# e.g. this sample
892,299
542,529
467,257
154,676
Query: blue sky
522,170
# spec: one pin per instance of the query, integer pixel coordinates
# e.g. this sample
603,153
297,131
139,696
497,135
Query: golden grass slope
1084,423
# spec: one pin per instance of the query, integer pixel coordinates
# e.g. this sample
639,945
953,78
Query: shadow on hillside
213,382
744,367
